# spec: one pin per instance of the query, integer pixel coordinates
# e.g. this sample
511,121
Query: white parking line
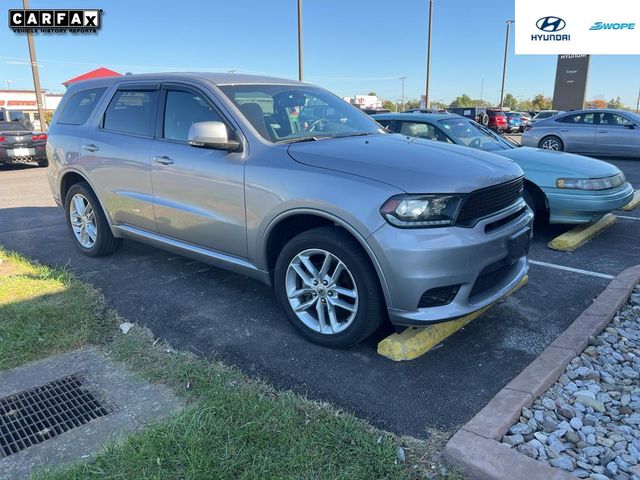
627,218
571,269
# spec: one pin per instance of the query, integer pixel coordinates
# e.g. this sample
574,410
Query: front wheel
328,288
551,143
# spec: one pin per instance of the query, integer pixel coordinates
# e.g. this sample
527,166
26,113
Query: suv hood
410,164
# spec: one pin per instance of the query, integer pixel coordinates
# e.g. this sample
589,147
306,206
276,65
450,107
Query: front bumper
414,261
584,206
33,153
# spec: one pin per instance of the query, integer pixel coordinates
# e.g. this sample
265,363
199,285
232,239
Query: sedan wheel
551,143
321,291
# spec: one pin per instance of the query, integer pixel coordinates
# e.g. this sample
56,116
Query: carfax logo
612,26
551,25
55,21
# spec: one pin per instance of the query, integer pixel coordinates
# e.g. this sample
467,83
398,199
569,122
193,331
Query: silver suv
288,184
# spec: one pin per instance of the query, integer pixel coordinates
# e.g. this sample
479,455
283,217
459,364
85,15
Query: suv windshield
466,132
289,113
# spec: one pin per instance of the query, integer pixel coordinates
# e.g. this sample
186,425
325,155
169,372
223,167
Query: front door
198,192
614,138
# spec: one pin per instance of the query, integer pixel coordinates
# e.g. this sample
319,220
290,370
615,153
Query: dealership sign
577,27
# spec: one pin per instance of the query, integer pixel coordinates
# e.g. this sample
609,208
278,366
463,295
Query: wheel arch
72,177
293,222
542,203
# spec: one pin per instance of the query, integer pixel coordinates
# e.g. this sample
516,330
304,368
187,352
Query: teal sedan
561,187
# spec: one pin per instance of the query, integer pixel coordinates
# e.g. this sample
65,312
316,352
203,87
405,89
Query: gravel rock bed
588,422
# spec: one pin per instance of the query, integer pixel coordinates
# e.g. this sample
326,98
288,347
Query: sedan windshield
291,113
467,132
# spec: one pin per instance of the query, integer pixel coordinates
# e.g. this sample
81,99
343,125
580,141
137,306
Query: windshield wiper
303,139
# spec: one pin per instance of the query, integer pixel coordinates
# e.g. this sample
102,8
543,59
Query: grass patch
43,311
232,426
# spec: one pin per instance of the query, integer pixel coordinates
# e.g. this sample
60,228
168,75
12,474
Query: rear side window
132,111
80,106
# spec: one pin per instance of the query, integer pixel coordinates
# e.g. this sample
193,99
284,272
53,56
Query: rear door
198,192
116,155
613,138
578,132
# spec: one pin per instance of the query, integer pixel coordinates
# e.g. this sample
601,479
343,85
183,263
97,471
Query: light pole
638,104
402,79
426,89
300,40
504,65
34,71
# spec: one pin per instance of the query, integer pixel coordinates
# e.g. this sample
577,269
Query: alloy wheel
551,144
83,221
321,291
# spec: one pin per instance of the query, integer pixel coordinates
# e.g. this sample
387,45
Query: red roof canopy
97,73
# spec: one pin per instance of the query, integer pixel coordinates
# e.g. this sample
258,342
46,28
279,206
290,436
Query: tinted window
11,126
182,109
131,112
80,106
385,123
611,119
417,129
578,119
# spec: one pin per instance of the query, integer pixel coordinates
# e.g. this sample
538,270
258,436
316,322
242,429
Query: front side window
611,119
419,129
183,109
290,113
80,106
131,111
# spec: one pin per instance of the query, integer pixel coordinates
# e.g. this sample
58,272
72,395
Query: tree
511,101
373,94
540,102
389,105
598,103
615,103
438,104
463,100
411,104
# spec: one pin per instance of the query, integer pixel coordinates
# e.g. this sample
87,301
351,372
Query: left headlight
591,183
419,211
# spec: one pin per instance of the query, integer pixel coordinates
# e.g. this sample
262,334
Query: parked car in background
426,110
497,121
525,119
544,114
19,144
478,114
607,132
373,111
344,219
561,187
514,122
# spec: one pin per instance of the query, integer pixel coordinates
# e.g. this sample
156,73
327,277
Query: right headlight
591,183
419,211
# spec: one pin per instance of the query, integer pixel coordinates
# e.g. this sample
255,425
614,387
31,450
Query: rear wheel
43,163
87,223
551,142
328,288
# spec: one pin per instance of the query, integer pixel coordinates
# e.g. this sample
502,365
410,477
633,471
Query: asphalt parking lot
223,315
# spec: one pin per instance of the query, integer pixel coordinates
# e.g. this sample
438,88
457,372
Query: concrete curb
578,236
635,201
475,449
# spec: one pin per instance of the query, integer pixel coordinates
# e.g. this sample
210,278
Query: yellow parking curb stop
635,201
578,236
416,341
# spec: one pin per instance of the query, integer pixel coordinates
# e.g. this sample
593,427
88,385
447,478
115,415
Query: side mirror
628,124
211,135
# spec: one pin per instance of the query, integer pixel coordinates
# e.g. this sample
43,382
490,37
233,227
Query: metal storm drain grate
40,413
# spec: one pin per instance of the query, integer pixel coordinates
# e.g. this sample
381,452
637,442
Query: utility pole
300,40
504,65
8,82
638,104
34,71
402,79
481,88
426,89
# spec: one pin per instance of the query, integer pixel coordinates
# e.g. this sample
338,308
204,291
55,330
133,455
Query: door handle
90,147
603,131
164,160
564,130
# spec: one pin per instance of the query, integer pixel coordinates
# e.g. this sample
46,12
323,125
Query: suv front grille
487,201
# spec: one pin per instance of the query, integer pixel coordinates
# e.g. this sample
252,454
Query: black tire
371,310
105,243
43,163
546,142
483,119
